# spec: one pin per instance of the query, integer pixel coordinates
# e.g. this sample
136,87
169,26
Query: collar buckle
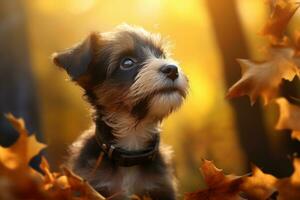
111,150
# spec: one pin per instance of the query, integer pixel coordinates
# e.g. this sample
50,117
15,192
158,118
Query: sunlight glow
149,7
253,16
186,9
70,6
80,6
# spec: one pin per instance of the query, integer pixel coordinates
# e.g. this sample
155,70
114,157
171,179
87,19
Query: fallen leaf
78,184
219,186
289,188
25,148
289,117
263,78
281,13
19,181
48,178
259,186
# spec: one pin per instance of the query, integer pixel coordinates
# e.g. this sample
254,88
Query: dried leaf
19,181
259,186
78,184
49,178
281,13
289,117
25,148
263,78
289,188
219,186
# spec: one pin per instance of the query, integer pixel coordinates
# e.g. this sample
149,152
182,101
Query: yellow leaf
25,148
78,184
263,78
289,188
219,185
282,12
259,186
289,117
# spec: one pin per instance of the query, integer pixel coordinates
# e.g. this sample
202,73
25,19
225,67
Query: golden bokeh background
203,128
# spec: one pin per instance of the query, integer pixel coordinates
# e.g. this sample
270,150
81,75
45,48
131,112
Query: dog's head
126,70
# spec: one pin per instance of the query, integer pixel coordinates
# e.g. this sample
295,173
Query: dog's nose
171,71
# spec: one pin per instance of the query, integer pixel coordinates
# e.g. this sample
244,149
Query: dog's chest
127,181
130,179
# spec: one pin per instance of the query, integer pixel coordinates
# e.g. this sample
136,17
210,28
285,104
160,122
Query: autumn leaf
281,13
263,78
289,188
219,186
67,184
289,117
19,181
25,148
49,178
78,184
259,186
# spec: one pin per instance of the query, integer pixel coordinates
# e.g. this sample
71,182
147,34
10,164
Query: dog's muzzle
170,71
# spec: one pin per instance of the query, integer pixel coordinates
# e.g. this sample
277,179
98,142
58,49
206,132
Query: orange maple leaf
263,78
25,148
289,188
78,184
19,181
219,186
289,117
67,185
281,13
259,186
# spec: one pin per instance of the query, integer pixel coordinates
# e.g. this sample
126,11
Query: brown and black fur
129,101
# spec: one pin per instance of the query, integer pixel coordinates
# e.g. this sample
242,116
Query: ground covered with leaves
259,79
19,181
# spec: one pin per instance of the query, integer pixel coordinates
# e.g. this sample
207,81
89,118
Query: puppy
132,83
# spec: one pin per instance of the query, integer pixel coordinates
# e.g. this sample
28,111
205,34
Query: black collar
121,156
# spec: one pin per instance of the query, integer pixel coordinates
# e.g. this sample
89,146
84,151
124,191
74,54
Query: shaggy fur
132,83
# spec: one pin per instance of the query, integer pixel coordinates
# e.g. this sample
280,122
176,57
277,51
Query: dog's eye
127,63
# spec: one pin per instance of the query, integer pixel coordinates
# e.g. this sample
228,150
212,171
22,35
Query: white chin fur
164,103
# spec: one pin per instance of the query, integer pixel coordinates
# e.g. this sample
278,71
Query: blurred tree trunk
17,88
249,119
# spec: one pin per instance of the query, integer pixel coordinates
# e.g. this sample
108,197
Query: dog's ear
76,59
